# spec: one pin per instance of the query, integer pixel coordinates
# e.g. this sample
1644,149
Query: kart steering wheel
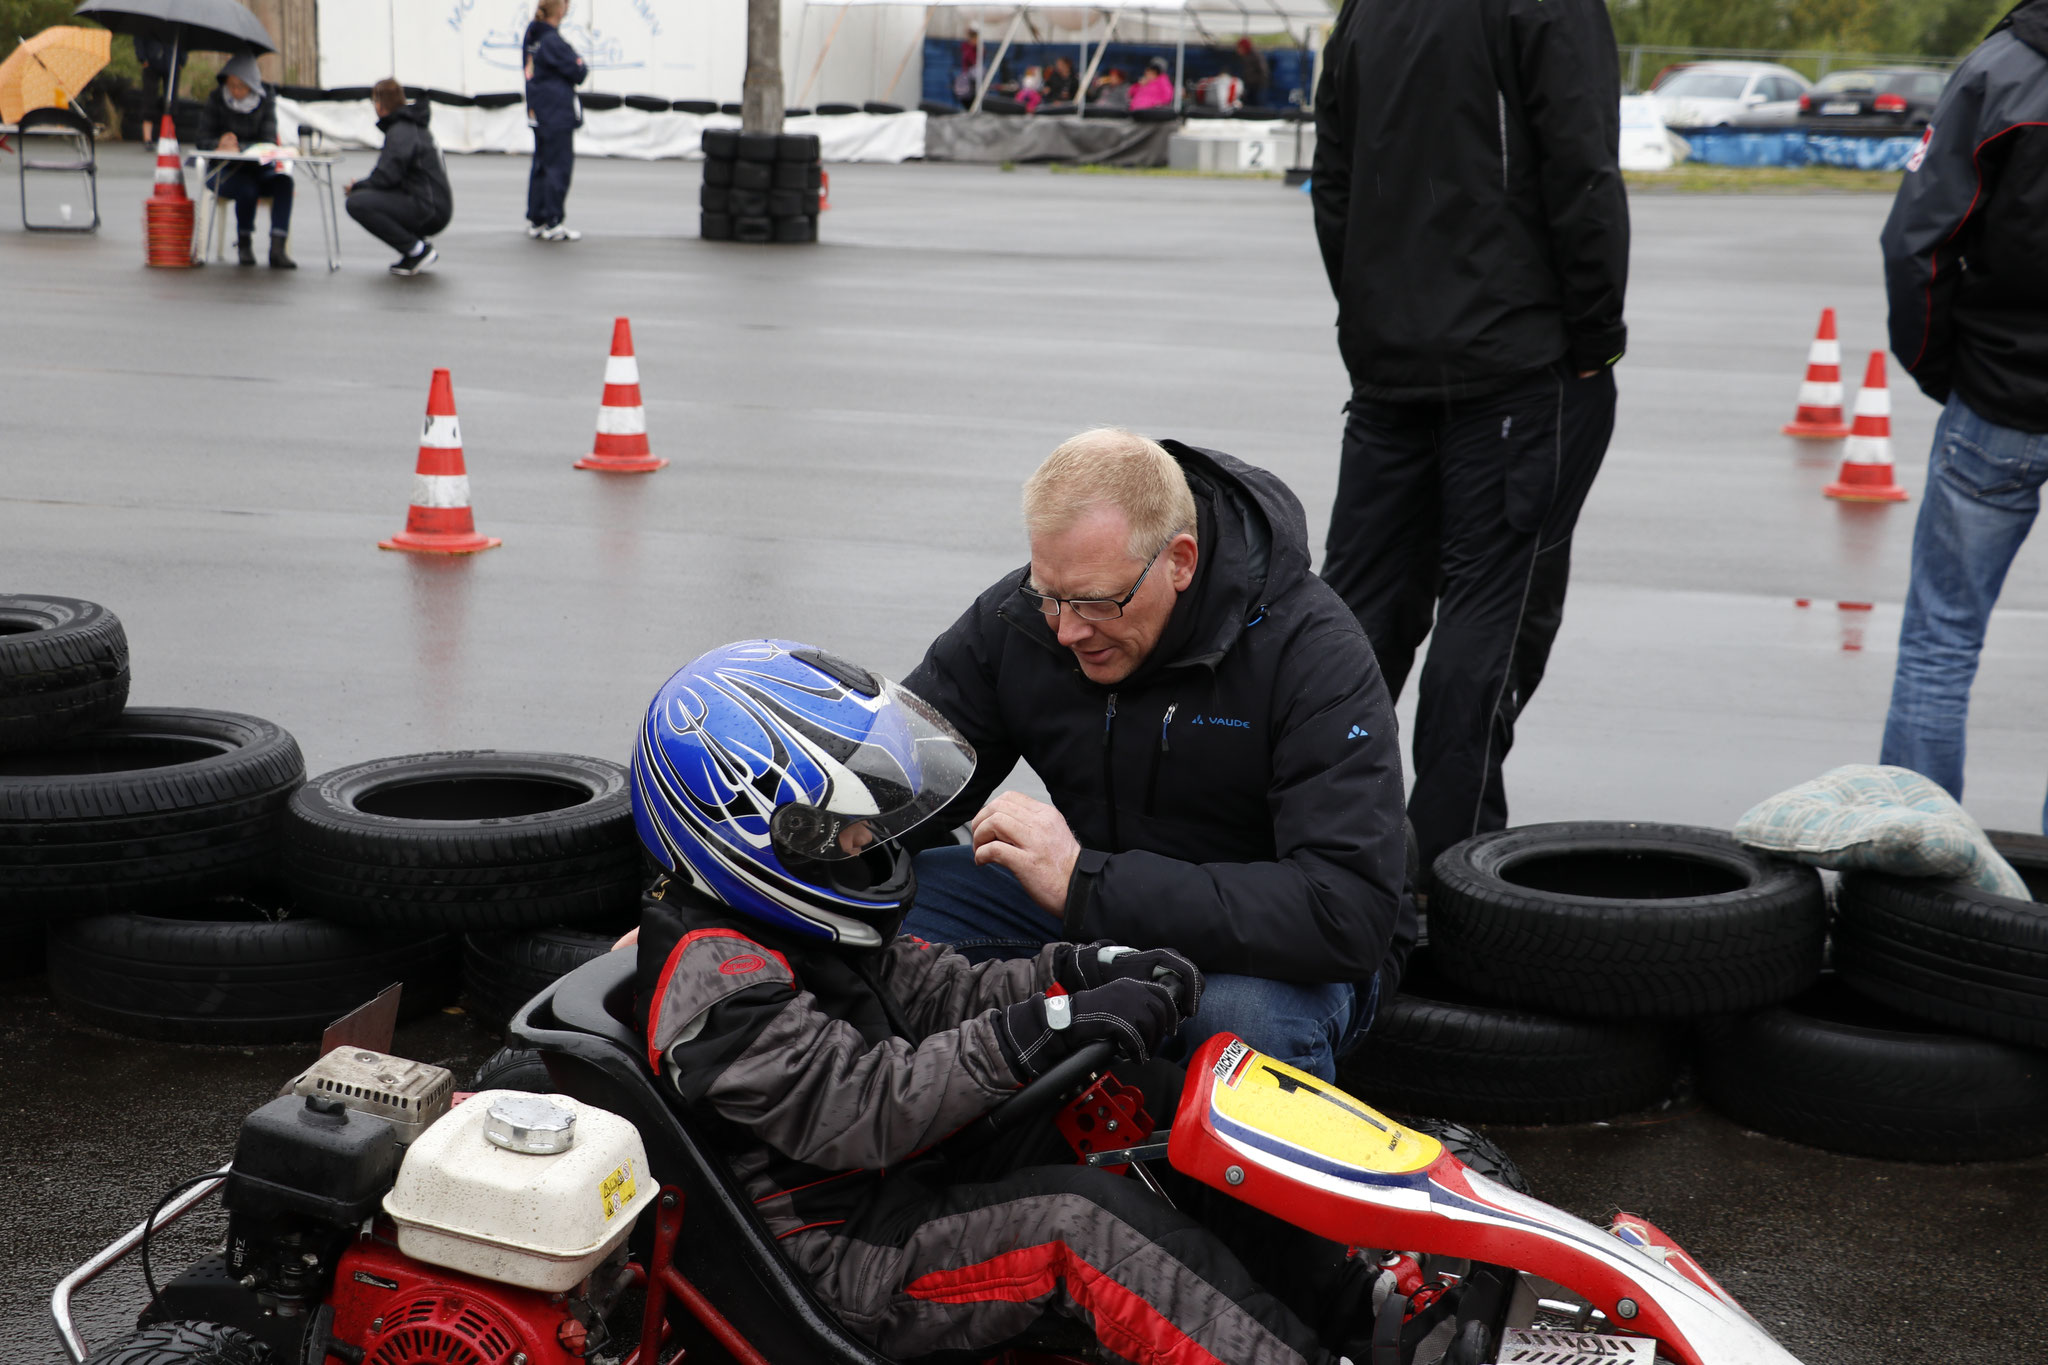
1061,1082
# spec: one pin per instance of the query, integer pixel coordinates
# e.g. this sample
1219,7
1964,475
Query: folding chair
58,142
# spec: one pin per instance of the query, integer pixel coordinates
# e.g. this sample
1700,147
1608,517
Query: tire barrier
760,187
63,669
1625,921
1950,953
1436,1050
473,841
501,972
226,971
160,806
1833,1069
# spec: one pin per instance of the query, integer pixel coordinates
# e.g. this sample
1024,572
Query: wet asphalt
214,454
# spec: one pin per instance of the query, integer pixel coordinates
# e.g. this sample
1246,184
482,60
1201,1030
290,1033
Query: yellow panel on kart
1282,1102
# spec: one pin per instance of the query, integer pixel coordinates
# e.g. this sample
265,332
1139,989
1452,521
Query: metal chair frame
52,125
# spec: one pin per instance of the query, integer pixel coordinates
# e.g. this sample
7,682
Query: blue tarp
1792,147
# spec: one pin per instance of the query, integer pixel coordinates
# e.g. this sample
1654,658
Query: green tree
1933,28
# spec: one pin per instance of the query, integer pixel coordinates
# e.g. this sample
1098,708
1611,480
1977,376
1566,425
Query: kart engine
371,1223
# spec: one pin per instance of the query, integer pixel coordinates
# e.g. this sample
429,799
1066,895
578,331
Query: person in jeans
1966,268
1222,758
1475,229
406,200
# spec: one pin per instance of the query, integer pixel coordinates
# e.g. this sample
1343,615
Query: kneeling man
1211,725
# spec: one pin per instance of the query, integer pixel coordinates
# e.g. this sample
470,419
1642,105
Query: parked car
1728,94
1888,99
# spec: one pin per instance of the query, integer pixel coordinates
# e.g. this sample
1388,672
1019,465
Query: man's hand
228,143
1032,840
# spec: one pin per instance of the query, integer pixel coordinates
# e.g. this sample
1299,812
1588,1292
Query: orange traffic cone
440,521
167,213
621,446
1867,455
1820,398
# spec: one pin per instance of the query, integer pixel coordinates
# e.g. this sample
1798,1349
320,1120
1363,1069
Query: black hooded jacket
1239,797
411,164
1468,193
1966,246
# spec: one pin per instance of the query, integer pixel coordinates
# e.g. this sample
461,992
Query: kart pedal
1530,1346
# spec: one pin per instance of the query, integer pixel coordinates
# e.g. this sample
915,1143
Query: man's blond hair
1111,467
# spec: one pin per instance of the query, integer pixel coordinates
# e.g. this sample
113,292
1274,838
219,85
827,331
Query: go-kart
339,1254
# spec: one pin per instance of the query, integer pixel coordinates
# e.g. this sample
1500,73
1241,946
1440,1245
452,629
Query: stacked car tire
179,880
760,187
1563,962
1571,971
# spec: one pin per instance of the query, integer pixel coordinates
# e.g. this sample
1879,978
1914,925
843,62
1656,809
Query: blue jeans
1983,490
985,913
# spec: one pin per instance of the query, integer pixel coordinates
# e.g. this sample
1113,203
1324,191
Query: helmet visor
880,785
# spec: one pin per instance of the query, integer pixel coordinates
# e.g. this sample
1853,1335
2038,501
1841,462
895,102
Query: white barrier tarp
612,132
1646,144
676,49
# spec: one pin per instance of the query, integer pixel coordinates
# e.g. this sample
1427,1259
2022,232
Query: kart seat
584,1026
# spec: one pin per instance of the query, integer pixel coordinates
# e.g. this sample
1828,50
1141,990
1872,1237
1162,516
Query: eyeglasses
1091,608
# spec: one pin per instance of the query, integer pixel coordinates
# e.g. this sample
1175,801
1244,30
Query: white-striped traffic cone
440,520
1867,455
621,445
167,213
1820,397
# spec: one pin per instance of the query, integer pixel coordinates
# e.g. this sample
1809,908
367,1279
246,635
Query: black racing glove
1083,966
1135,1015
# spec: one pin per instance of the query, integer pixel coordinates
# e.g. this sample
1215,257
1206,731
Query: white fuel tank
530,1190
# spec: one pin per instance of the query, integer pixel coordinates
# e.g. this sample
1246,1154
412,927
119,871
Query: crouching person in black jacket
1211,726
835,1058
406,199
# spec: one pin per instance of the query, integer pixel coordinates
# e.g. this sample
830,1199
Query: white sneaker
413,263
534,229
560,233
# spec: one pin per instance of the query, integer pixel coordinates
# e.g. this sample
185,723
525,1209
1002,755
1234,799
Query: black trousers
547,180
1459,516
245,184
393,218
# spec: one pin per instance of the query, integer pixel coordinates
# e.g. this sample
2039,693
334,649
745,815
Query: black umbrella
187,25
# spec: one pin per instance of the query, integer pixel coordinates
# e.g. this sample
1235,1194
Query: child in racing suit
836,1071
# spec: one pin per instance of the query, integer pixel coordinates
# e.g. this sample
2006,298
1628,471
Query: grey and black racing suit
831,1074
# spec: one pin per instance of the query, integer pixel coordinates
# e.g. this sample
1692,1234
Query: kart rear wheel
1478,1151
1610,920
186,1343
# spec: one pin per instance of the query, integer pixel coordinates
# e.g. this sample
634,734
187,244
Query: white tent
1307,17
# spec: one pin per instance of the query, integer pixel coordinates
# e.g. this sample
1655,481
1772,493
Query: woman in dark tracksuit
553,71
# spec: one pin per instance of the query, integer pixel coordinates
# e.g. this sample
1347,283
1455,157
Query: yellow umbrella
48,70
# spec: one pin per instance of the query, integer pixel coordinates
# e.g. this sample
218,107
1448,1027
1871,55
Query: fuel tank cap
533,1124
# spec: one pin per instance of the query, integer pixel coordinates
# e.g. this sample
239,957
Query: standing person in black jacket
242,113
406,199
1966,265
1208,719
553,71
1473,223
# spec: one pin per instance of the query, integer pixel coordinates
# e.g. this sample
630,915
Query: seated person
772,780
406,200
1031,90
240,114
1211,724
1155,90
1110,91
1060,82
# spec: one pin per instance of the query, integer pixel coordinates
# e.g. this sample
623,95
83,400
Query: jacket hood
2029,23
416,111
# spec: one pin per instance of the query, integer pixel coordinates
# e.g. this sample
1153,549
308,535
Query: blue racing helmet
778,777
